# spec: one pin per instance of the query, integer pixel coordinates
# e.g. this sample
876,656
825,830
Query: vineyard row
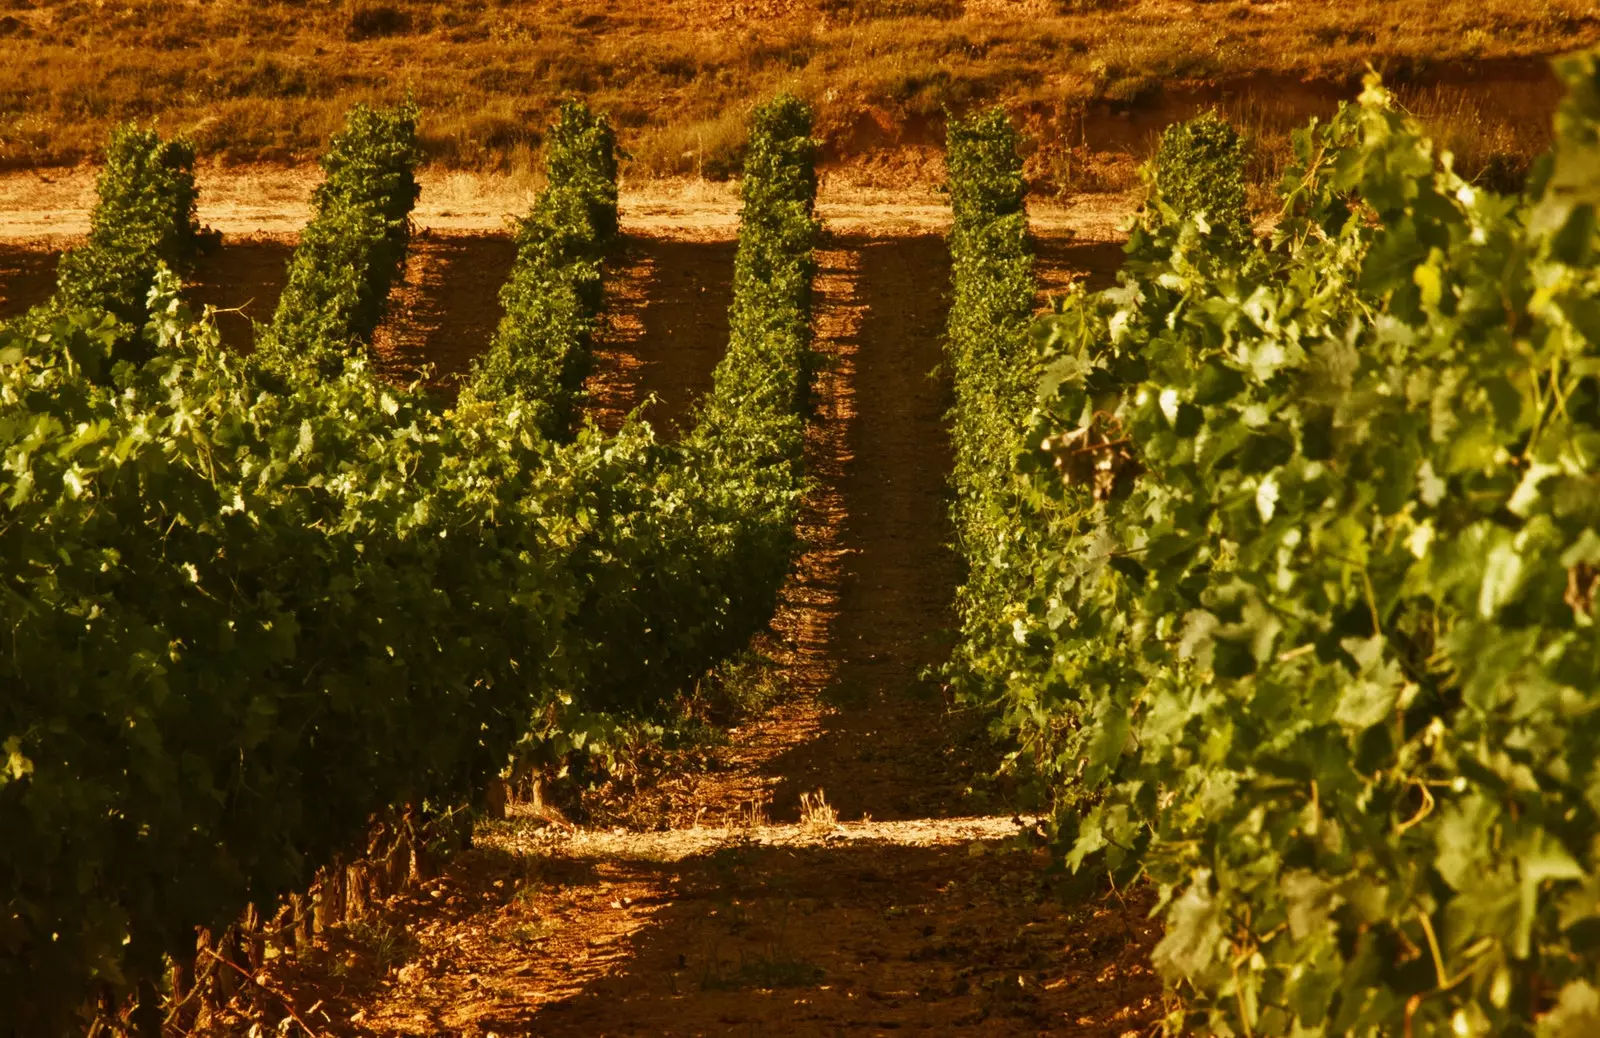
256,602
1283,556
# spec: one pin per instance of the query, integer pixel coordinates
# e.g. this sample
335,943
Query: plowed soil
672,329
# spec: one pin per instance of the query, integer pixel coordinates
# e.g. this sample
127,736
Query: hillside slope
268,80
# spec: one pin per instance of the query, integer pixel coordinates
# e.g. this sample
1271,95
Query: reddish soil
1058,262
27,276
681,329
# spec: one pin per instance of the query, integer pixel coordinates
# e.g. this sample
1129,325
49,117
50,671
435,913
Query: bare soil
686,287
27,276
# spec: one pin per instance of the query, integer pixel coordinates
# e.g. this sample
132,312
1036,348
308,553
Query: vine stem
280,996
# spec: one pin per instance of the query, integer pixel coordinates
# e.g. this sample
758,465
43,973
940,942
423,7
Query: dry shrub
370,21
853,11
1087,6
710,148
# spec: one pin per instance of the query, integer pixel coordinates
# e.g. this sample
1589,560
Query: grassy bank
254,80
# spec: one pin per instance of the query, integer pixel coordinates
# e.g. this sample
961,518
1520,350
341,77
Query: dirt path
755,914
665,329
39,211
886,746
446,310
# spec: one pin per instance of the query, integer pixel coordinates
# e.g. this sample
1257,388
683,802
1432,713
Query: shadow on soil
685,324
27,278
1058,262
819,939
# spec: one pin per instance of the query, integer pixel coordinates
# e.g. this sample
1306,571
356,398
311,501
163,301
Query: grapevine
1313,653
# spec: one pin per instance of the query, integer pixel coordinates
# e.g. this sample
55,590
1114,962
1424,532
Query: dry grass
267,80
817,813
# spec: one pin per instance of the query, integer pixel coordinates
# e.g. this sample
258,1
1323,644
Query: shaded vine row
1305,627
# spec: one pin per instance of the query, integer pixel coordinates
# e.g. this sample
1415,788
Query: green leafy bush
1315,652
246,618
355,245
253,603
991,367
692,540
542,349
144,216
1198,174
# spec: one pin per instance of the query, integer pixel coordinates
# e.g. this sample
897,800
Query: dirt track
37,211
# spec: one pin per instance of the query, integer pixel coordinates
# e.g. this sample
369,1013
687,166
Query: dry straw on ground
268,80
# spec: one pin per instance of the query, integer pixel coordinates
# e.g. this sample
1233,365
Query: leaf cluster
1198,172
541,349
1323,665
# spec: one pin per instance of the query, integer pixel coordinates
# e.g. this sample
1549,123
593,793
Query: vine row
1305,633
256,601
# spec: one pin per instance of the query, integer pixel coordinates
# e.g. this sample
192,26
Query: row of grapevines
144,215
541,350
1311,641
991,304
355,245
253,602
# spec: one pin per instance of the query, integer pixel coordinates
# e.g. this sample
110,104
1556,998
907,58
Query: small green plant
388,943
1198,175
742,687
530,933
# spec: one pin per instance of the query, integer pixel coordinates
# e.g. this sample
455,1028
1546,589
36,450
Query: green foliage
984,169
255,601
144,216
1198,174
355,246
541,350
991,366
278,596
1317,654
581,156
243,621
